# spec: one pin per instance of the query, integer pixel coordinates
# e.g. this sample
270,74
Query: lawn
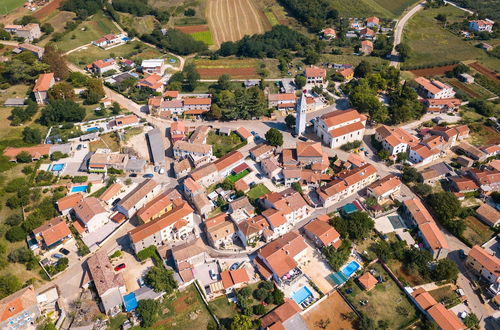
94,28
235,177
396,7
106,141
223,144
443,46
184,310
477,232
205,36
273,20
446,295
484,135
9,5
385,302
406,278
223,309
143,25
362,8
352,59
132,132
257,191
130,50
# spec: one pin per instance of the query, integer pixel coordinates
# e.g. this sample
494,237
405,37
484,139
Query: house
322,234
261,152
153,66
471,152
422,154
340,127
188,255
278,224
135,165
444,318
286,316
91,214
384,188
200,135
279,259
153,82
396,140
67,203
347,73
28,32
315,75
487,180
282,101
434,89
221,231
367,33
20,310
234,279
38,51
243,133
464,161
177,131
485,265
481,25
156,146
372,22
494,165
367,281
289,202
491,150
291,175
185,149
52,234
329,33
159,205
463,184
206,175
182,168
110,40
202,204
486,46
252,230
109,195
174,225
452,134
432,236
102,66
270,168
366,47
488,215
137,198
196,105
466,78
121,122
42,85
217,171
442,105
109,285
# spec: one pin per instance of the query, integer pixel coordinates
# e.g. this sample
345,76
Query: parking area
316,268
66,250
252,176
133,271
202,273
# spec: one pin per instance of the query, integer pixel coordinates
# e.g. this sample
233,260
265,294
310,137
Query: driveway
316,268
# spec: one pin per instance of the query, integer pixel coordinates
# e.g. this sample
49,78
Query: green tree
404,51
8,285
383,154
161,279
23,157
15,234
445,270
241,322
422,189
445,205
383,250
337,257
274,137
290,121
360,225
471,321
259,309
115,108
32,135
224,82
192,76
55,60
62,91
60,111
149,310
300,81
362,69
410,174
297,187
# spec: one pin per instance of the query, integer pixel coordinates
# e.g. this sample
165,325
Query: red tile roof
43,83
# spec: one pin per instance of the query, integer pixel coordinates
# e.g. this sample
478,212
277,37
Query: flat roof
156,147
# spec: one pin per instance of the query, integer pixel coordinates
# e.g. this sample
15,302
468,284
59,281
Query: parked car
64,251
234,266
57,256
213,275
141,282
462,254
162,170
133,175
116,201
79,147
156,168
303,138
148,176
258,176
120,267
294,134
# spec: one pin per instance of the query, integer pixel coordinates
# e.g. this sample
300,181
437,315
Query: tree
15,234
115,108
23,157
60,111
360,225
297,187
161,279
441,18
290,121
410,174
259,309
404,51
422,189
471,321
54,58
362,69
224,82
278,296
323,323
274,137
402,157
337,257
47,28
149,310
445,205
383,154
8,285
445,270
241,322
62,91
190,12
192,76
383,250
32,135
300,81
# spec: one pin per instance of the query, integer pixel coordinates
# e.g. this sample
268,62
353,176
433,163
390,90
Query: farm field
484,136
485,71
92,29
91,53
352,59
365,8
8,5
444,46
477,232
334,309
474,90
143,25
198,32
236,68
434,71
230,20
48,9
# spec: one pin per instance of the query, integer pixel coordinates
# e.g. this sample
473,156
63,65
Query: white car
162,170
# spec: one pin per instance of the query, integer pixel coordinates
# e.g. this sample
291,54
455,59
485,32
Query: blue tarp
130,302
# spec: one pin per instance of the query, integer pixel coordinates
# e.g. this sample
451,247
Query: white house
481,25
154,66
340,127
394,139
434,89
91,214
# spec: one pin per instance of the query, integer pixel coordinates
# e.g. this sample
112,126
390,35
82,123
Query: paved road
398,30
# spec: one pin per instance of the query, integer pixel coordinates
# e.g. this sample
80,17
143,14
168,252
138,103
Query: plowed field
47,9
484,70
214,73
434,71
192,28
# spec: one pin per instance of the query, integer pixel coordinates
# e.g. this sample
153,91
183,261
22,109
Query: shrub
350,145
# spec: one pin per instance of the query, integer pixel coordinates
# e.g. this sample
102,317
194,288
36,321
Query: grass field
432,44
477,232
223,144
205,36
365,8
6,6
446,295
385,302
92,29
273,20
257,191
106,141
352,59
232,19
223,309
143,25
236,68
91,53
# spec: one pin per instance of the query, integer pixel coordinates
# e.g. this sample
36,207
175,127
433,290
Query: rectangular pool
78,189
300,296
92,129
57,167
351,268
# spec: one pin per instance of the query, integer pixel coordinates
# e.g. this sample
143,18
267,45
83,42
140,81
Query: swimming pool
79,188
57,167
396,221
92,129
300,296
351,268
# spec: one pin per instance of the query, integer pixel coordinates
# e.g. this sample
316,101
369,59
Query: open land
365,8
8,5
477,232
143,25
236,68
333,308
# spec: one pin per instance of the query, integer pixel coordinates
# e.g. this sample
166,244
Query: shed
14,102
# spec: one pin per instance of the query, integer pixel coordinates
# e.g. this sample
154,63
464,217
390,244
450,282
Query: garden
223,144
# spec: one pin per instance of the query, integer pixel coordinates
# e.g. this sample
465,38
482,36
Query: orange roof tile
368,281
44,82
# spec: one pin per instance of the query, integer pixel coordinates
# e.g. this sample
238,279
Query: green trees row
175,41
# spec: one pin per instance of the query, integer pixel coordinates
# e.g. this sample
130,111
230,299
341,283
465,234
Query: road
398,31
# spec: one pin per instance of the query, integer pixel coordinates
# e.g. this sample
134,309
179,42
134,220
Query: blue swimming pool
57,167
351,268
78,188
92,129
301,295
